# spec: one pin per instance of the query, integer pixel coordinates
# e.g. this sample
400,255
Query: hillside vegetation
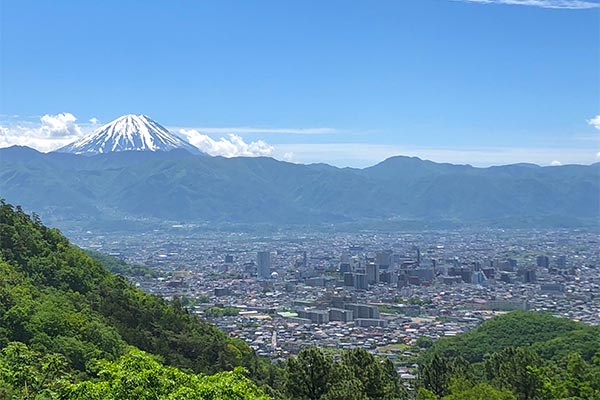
520,355
62,313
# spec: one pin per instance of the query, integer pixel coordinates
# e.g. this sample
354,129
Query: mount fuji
129,133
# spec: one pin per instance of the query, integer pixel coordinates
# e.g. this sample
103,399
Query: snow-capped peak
129,133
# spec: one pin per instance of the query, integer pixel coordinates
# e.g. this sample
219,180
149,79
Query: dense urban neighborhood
379,291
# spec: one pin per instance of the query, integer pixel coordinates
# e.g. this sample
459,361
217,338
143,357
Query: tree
308,374
424,342
461,389
25,374
137,375
513,369
437,372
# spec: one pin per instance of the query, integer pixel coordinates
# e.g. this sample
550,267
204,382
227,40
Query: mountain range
107,189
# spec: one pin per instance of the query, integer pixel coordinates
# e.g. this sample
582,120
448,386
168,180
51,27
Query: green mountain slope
520,355
67,307
551,335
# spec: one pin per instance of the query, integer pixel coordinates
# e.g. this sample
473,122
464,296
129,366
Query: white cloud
598,155
556,163
289,156
559,4
94,121
233,146
61,125
52,132
595,122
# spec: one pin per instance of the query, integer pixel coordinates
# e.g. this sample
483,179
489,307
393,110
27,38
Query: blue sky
348,83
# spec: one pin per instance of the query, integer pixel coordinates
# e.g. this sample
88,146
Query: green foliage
136,375
438,371
56,299
461,389
585,341
426,394
118,266
424,342
309,374
27,374
313,374
513,369
571,378
519,328
521,355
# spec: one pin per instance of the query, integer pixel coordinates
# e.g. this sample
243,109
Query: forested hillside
520,355
63,315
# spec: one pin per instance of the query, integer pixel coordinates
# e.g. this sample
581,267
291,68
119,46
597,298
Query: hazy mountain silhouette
176,185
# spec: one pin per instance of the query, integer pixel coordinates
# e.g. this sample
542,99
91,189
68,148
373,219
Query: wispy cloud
245,130
231,146
559,4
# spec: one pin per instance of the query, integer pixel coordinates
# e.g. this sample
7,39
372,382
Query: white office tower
263,262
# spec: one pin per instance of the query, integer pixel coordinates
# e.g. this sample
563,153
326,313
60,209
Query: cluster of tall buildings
360,272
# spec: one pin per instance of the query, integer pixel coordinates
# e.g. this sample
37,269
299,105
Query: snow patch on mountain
129,133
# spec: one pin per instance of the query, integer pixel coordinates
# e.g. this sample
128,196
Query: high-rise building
383,259
263,262
543,261
349,279
529,275
345,267
478,278
361,282
372,273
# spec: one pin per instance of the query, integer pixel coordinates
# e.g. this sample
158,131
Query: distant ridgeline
128,189
70,329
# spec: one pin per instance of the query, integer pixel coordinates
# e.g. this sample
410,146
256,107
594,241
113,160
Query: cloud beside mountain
50,133
231,146
55,131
